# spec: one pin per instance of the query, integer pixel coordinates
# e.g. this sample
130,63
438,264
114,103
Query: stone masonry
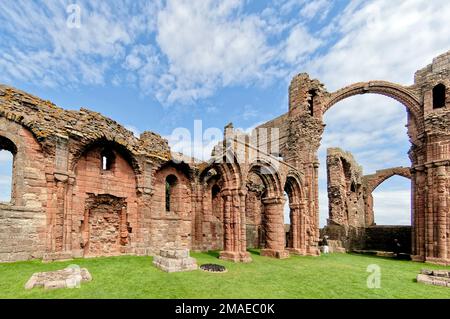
175,260
69,277
85,186
351,216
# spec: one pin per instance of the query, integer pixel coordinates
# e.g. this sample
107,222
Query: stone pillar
123,226
234,227
429,216
297,225
68,215
442,210
419,193
275,235
302,236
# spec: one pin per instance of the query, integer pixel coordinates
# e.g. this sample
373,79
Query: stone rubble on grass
70,277
434,277
174,260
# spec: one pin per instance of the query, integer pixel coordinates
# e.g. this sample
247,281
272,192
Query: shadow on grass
378,257
216,253
213,253
254,251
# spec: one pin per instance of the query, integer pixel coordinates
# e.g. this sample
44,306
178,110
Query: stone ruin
83,185
351,224
434,277
70,277
175,260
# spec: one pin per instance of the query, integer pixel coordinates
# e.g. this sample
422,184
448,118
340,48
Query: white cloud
299,44
176,51
38,46
384,40
208,45
5,157
392,207
315,8
5,188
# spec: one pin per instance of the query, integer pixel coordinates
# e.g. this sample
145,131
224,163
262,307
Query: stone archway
232,199
273,202
296,239
371,182
392,90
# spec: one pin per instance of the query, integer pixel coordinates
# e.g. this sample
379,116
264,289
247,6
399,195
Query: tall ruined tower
430,156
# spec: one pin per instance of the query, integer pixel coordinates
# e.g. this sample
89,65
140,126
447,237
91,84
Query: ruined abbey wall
83,185
350,205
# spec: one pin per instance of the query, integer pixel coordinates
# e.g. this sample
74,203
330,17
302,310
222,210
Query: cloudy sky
160,65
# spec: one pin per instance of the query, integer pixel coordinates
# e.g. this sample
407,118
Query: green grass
327,276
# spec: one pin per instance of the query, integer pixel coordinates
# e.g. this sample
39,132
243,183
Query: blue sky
161,65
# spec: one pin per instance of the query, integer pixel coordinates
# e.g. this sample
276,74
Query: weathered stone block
70,277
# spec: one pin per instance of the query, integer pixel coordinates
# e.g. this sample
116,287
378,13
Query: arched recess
208,223
8,151
296,237
104,199
106,147
392,90
171,224
371,182
272,200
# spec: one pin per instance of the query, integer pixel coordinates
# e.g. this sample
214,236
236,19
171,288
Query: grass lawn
327,276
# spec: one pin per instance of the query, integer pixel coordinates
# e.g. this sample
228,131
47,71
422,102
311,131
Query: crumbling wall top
440,66
48,121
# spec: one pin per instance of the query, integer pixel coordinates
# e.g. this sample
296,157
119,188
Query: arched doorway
376,138
264,177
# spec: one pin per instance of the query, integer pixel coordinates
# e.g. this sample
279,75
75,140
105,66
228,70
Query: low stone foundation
434,277
174,260
70,277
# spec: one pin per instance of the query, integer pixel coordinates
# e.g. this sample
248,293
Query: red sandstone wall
23,221
172,228
120,182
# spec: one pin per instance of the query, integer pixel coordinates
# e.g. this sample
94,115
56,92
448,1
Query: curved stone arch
183,188
12,144
78,152
26,124
293,185
229,169
269,175
398,92
375,180
371,182
296,236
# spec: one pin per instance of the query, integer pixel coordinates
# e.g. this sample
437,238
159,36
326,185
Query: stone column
302,227
244,255
296,230
123,226
442,211
275,235
234,248
429,216
418,192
